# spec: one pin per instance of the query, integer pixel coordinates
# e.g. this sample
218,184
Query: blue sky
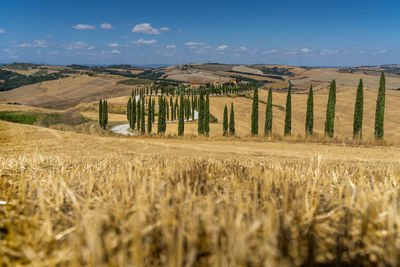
313,33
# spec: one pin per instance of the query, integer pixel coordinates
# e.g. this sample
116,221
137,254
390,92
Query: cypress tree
288,112
181,119
171,104
133,110
207,116
200,125
104,114
225,122
330,110
128,111
268,114
101,113
138,111
358,111
232,121
254,113
160,110
149,115
142,118
193,106
310,112
153,112
380,108
167,109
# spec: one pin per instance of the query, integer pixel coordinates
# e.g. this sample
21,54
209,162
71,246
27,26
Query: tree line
330,111
185,107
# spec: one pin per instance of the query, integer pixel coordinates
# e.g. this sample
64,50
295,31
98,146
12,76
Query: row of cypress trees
203,123
103,113
231,122
330,111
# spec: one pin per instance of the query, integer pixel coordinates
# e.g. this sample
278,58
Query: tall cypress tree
128,111
288,112
101,113
138,111
149,115
207,116
142,118
160,110
232,121
358,111
254,113
104,114
171,104
200,125
268,114
380,108
330,111
181,119
225,122
310,112
133,110
153,110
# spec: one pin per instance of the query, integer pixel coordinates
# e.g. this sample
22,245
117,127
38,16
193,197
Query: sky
302,33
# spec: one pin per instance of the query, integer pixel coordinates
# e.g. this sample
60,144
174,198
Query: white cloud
242,48
194,43
106,26
270,51
91,47
141,41
170,46
76,45
39,43
328,52
2,31
146,28
84,27
22,45
379,52
115,51
113,45
222,47
306,50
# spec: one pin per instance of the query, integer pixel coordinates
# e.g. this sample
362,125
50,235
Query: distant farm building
197,84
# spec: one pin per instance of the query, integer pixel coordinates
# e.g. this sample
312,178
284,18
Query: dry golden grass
71,199
67,92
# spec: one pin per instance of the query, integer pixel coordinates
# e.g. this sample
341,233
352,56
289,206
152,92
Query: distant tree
105,114
330,111
200,125
358,111
101,113
232,121
310,112
225,122
193,107
268,114
254,113
181,119
207,116
380,108
288,112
